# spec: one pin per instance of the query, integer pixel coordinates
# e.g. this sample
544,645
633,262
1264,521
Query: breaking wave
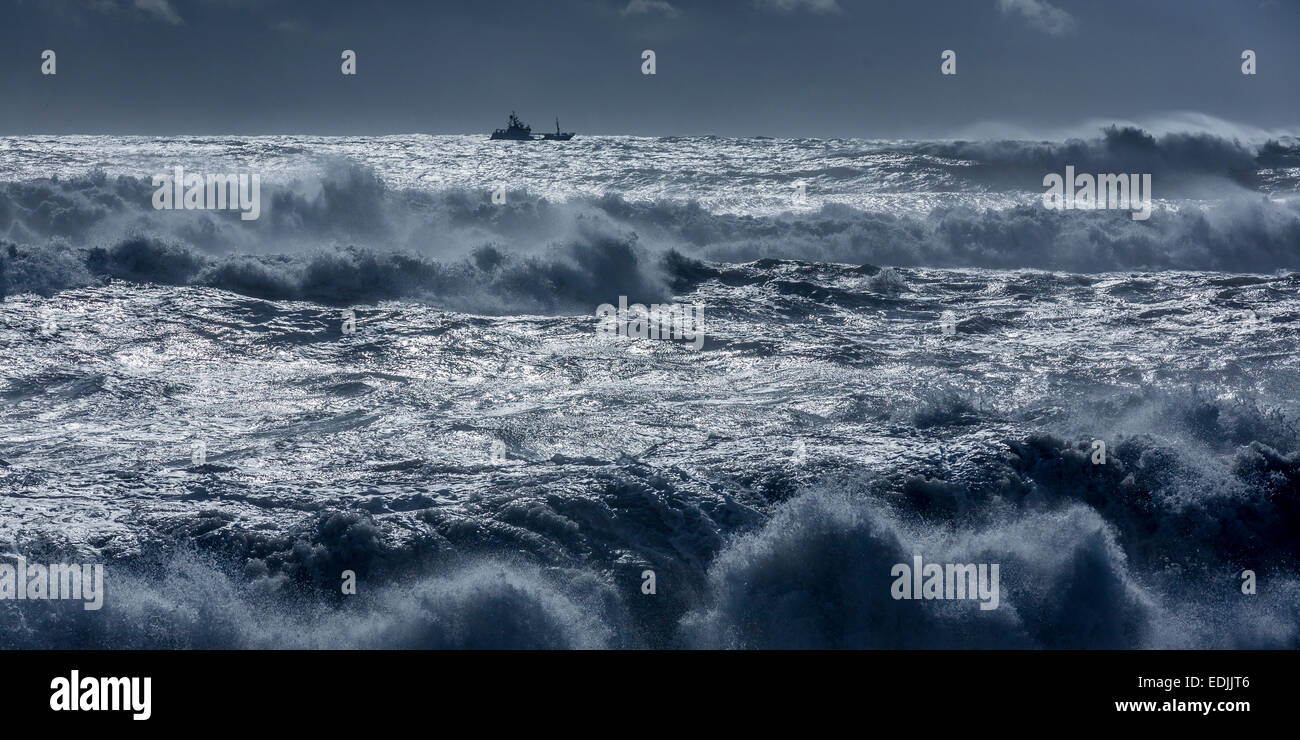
355,240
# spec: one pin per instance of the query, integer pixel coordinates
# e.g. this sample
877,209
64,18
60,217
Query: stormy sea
394,378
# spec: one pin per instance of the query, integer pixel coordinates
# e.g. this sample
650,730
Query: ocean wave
189,602
568,278
1143,551
1185,164
357,241
852,407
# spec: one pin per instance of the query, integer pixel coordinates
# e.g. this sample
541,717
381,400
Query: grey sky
727,67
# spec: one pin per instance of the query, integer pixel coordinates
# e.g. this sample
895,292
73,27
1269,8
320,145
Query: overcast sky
728,67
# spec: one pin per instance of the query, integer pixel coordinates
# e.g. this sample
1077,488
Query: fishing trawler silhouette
516,131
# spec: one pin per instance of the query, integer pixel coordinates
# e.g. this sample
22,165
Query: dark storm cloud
731,67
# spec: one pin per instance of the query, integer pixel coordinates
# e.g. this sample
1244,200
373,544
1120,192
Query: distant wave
351,239
1185,164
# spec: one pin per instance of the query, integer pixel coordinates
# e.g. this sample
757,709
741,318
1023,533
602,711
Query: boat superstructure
516,130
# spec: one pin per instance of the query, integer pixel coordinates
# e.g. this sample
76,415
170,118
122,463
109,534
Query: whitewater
913,357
